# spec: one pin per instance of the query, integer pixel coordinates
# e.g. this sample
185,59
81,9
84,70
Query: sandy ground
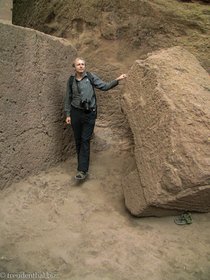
50,224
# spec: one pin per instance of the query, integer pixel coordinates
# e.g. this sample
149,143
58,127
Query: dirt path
83,232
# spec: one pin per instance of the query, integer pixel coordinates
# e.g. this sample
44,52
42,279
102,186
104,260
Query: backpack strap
68,97
71,80
90,78
89,75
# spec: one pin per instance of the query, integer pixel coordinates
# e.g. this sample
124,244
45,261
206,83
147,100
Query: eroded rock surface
167,102
34,68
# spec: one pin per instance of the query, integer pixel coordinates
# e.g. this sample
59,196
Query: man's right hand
68,120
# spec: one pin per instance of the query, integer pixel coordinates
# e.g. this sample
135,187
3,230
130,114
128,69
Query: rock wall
111,35
115,31
167,101
34,69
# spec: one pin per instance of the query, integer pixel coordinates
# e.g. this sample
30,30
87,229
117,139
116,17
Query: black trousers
83,125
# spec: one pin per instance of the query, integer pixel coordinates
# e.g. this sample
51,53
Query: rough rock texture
6,10
115,31
167,101
34,68
111,35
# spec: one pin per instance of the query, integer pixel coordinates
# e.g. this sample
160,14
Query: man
80,109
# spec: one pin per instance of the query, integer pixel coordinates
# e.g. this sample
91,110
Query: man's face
79,66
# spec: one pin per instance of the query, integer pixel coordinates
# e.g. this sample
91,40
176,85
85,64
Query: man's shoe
81,175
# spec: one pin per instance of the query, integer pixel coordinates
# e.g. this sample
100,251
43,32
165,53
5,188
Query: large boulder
167,102
34,68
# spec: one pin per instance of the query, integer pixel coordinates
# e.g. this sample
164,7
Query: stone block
167,103
34,68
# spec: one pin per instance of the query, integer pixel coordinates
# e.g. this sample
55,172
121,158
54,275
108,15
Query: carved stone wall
34,68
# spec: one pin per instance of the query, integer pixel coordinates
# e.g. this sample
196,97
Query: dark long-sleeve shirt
84,90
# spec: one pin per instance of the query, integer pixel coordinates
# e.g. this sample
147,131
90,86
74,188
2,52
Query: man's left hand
121,77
